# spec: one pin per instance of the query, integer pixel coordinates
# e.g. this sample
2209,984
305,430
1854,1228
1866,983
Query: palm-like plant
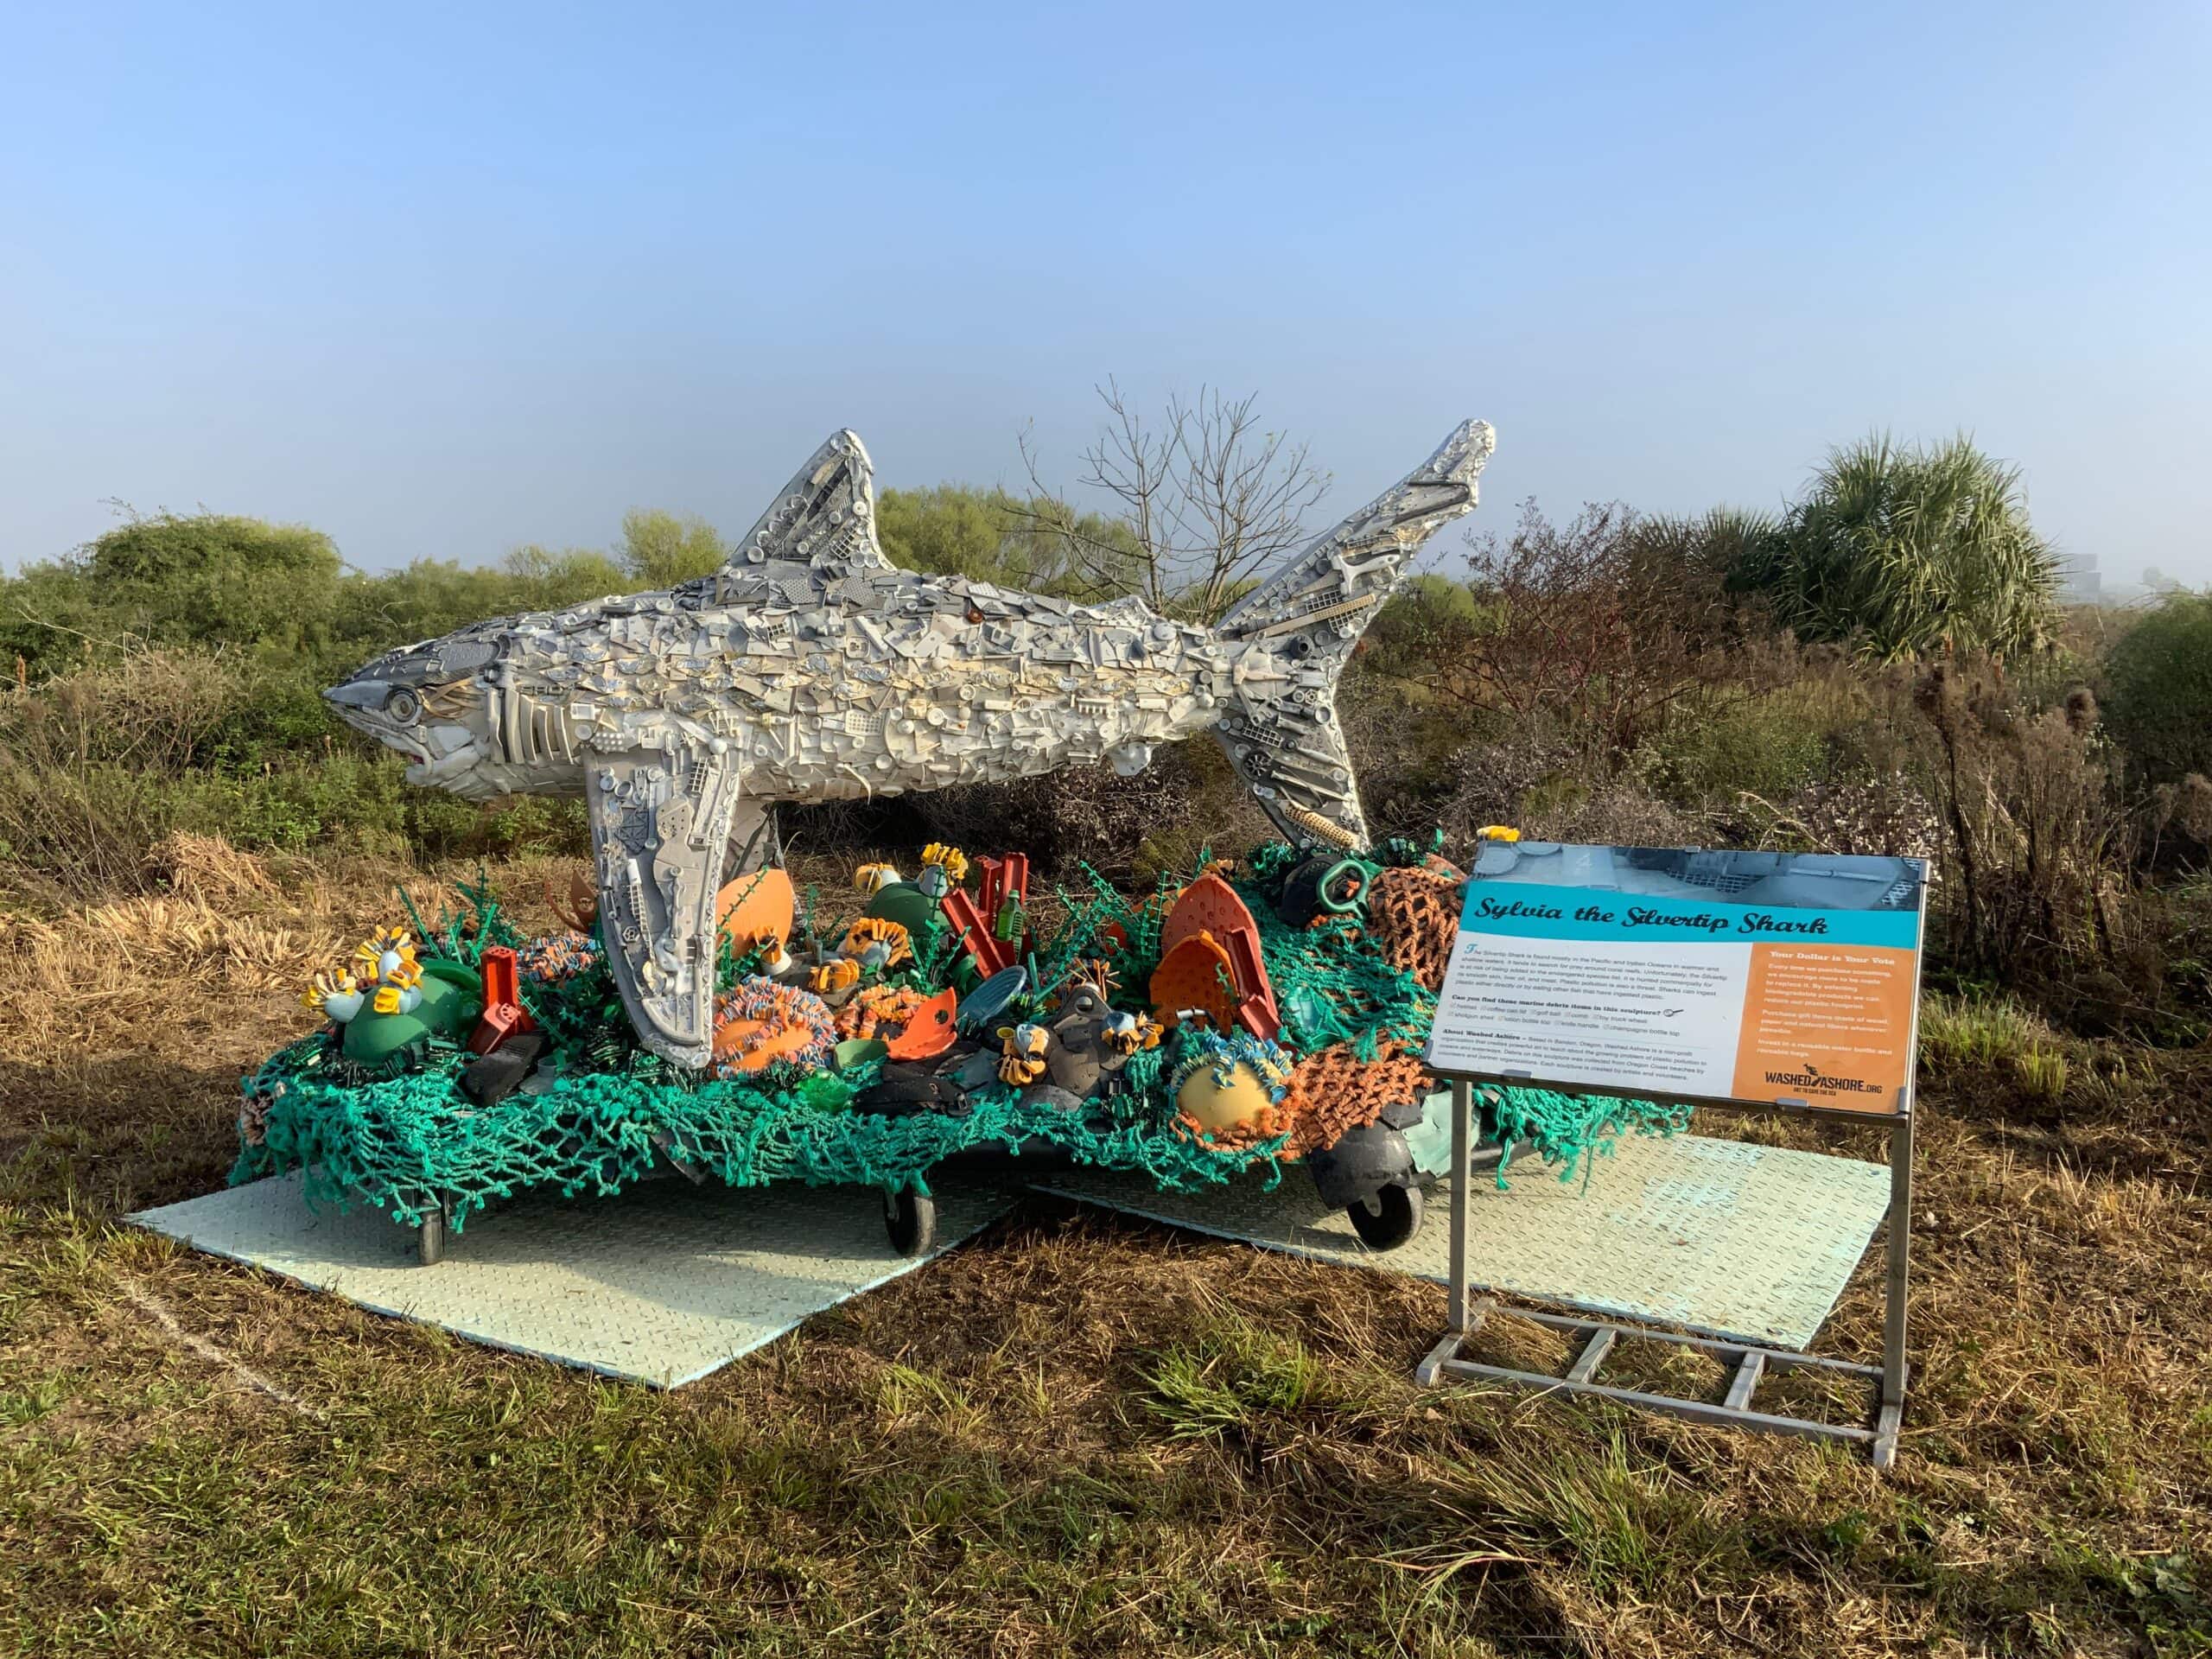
1912,551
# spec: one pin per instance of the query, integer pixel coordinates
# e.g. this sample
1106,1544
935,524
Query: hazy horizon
442,287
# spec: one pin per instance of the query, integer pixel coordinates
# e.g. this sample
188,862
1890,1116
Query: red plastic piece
929,1030
1256,1010
504,1014
1004,876
1209,905
972,917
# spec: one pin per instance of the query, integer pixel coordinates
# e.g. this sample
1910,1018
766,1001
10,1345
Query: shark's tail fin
1297,629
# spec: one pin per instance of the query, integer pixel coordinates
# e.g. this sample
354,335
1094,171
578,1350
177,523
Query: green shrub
1771,746
273,719
2157,699
1909,551
344,799
439,825
207,580
660,549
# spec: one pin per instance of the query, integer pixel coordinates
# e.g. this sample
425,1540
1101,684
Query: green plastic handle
1353,867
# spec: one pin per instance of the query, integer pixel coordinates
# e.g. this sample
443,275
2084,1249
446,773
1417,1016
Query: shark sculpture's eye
405,707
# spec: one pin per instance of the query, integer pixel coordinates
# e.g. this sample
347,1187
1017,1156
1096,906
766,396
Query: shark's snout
386,712
358,694
438,721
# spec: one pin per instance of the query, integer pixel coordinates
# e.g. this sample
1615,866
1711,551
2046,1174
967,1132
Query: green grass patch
1232,1379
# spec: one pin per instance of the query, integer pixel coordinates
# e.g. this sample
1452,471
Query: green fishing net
1570,1131
406,1144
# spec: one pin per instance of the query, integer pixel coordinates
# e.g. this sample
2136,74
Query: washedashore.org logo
1809,1078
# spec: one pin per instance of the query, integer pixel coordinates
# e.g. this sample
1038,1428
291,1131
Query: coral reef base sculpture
867,1049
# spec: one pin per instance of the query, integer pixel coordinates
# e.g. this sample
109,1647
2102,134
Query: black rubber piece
911,1219
1390,1219
1403,1116
898,1085
1301,892
1363,1159
491,1079
905,1090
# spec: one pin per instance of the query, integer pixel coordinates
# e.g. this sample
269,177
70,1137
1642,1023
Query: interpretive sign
1786,977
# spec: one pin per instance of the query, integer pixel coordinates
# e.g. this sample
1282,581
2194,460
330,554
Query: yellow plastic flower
387,999
1021,1053
872,878
325,985
832,977
1497,832
875,930
1126,1039
380,943
950,859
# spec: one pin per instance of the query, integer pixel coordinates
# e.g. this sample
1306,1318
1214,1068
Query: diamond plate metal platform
1744,1243
662,1284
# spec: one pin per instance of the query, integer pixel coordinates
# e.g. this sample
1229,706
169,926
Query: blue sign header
1533,910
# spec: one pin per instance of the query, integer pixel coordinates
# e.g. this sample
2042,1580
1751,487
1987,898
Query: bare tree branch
1208,501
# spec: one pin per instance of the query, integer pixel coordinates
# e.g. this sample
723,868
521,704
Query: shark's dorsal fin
824,519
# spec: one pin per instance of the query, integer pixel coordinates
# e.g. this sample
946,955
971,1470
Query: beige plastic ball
1219,1106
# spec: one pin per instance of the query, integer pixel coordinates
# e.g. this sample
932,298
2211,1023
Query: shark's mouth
440,771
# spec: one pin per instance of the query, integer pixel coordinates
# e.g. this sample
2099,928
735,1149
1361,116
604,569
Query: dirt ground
1072,1435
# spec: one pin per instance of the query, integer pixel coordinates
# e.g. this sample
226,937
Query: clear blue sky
442,281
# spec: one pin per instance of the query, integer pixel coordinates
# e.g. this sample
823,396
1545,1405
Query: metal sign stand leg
1890,1410
1428,1372
1751,1363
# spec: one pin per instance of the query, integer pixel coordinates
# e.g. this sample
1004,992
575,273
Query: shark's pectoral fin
660,819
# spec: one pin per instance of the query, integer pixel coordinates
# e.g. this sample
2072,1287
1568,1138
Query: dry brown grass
208,868
1071,1436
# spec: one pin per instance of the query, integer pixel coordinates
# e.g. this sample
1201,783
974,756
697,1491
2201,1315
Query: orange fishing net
1332,1091
1414,916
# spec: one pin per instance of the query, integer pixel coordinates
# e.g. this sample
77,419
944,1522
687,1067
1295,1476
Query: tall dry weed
2040,838
82,756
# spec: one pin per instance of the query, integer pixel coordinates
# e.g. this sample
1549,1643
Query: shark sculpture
811,668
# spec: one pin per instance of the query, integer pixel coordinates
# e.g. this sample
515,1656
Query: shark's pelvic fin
819,531
1300,626
660,820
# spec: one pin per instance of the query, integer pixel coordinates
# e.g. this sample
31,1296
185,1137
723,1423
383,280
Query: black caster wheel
1389,1219
911,1219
